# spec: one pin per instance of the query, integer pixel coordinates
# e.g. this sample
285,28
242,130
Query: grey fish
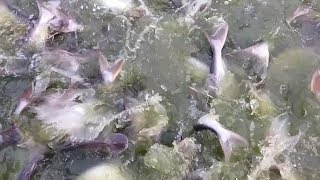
252,61
217,40
228,139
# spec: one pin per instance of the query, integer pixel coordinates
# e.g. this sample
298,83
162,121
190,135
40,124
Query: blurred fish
252,61
278,142
228,139
51,15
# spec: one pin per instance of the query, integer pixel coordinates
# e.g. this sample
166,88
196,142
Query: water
157,49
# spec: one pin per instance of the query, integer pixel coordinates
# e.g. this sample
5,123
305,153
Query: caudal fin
218,37
230,140
109,72
24,100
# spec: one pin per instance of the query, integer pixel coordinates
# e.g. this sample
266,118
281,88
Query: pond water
166,52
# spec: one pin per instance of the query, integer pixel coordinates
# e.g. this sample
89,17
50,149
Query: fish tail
24,101
233,140
218,38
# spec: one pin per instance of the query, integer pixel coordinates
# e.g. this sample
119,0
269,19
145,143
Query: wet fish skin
228,139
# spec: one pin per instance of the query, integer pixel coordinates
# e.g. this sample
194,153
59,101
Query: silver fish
228,139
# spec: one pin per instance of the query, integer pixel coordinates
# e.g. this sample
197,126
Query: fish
51,15
217,68
315,83
116,143
278,142
228,139
306,21
109,71
252,61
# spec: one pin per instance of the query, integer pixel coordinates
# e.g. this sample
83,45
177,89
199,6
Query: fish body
228,139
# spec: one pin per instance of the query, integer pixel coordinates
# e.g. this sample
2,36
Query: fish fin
117,67
260,50
315,83
103,63
110,72
24,101
232,140
302,10
218,38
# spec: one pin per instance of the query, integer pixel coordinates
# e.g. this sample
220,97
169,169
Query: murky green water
156,47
